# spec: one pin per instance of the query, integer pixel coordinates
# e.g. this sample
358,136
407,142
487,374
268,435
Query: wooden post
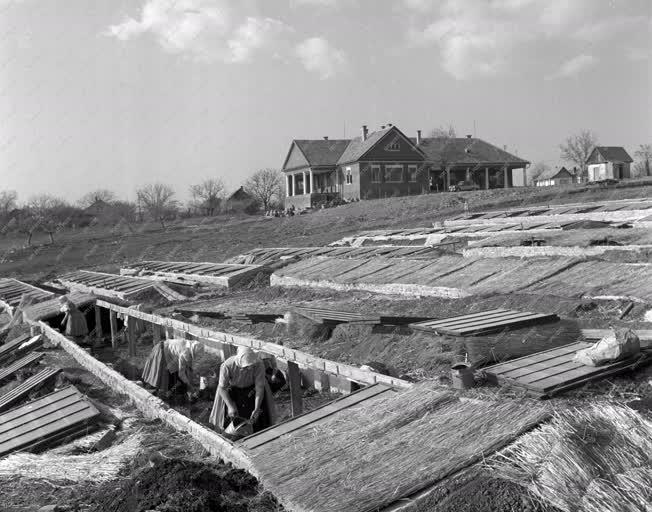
113,318
486,178
98,323
294,377
131,336
156,333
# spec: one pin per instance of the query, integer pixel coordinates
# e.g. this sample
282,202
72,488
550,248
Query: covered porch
484,177
307,188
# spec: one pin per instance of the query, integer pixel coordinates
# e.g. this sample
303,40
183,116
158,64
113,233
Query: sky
120,93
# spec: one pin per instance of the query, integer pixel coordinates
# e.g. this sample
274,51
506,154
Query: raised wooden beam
216,338
131,335
296,394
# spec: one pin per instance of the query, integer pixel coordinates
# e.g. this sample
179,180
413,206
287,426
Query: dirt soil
177,485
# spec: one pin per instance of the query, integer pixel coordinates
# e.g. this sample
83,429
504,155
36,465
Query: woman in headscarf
243,392
74,322
169,367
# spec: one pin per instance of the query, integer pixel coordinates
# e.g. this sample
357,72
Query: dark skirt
156,373
245,402
76,323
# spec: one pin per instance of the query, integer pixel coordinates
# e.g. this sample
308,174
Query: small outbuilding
608,162
555,177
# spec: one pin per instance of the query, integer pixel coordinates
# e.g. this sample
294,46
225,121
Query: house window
375,174
349,178
393,173
395,145
412,173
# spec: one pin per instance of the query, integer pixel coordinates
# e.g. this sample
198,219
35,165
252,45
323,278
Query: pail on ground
462,375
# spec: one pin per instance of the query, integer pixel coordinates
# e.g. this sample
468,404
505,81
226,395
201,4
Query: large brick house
388,163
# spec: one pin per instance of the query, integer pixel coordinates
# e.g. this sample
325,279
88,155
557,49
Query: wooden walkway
484,322
552,371
115,286
45,421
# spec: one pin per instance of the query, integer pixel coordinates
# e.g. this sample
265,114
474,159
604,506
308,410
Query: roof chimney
364,132
325,137
469,136
382,127
505,147
418,137
390,124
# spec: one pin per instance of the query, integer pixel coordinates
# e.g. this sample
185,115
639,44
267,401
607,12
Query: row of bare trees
155,201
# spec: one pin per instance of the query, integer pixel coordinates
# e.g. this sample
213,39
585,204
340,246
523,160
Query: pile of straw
92,467
597,459
371,455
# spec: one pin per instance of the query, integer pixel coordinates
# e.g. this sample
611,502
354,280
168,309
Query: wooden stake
295,388
113,318
131,336
98,323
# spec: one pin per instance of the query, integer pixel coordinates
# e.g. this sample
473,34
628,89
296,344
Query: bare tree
577,149
101,194
537,170
49,213
157,199
644,154
443,132
264,186
8,200
207,195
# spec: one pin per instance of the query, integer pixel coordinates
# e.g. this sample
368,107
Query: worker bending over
243,393
169,366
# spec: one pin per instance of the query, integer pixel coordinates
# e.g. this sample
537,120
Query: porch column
303,183
505,180
486,178
312,186
288,185
294,184
467,177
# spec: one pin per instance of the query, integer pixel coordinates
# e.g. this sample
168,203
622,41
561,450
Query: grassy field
218,238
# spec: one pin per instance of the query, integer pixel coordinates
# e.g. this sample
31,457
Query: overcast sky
118,93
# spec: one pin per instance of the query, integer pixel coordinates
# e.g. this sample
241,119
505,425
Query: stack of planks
186,272
12,290
245,317
484,322
19,346
115,286
332,317
46,421
552,371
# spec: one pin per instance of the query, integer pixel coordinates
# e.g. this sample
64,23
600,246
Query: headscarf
246,357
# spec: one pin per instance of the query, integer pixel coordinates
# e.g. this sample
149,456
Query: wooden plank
8,371
27,387
156,333
308,418
296,394
501,324
18,349
98,323
598,334
10,346
446,321
538,357
471,322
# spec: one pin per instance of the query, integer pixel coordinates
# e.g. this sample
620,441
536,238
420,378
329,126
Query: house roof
612,154
322,152
358,147
239,195
97,207
465,151
550,174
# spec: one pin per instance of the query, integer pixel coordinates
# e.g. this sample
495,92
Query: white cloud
201,29
486,38
319,56
574,66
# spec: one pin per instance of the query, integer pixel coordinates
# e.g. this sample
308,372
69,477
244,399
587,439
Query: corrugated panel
32,424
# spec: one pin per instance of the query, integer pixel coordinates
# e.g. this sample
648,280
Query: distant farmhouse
387,163
556,177
608,162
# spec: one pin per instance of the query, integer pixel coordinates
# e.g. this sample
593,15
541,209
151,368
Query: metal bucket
462,375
